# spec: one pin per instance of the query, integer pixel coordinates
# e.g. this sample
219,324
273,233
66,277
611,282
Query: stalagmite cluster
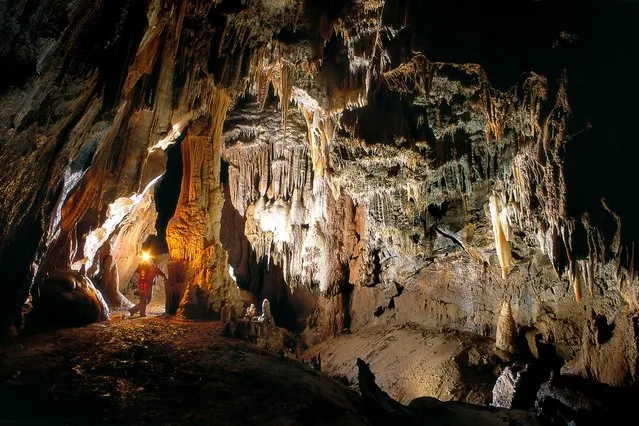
193,231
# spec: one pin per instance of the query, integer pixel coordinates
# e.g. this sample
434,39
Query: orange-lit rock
194,231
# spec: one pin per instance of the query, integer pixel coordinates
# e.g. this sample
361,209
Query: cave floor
163,370
410,361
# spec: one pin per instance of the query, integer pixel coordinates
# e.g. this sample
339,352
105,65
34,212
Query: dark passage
168,191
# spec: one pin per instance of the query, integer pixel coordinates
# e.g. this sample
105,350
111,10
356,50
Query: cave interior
364,211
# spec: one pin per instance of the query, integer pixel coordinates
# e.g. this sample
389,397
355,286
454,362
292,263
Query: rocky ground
160,370
411,362
163,370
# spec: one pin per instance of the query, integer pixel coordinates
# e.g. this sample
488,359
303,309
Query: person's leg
134,309
143,298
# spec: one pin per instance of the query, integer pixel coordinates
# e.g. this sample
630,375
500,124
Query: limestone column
198,269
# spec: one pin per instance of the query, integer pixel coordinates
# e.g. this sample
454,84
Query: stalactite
249,166
269,66
279,220
264,166
407,76
274,228
615,246
535,190
501,232
574,272
287,72
533,180
575,279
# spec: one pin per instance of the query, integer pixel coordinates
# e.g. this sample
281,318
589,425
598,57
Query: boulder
574,400
517,386
68,298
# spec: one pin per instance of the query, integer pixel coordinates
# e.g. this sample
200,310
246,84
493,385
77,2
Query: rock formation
67,298
360,162
506,330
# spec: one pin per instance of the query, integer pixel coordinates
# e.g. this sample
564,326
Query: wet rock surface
431,411
67,298
517,386
575,400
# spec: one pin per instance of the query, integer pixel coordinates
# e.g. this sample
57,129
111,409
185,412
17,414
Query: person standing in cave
148,272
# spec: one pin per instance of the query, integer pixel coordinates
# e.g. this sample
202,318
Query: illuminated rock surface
363,165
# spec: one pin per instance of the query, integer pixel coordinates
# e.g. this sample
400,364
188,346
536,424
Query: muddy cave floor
163,370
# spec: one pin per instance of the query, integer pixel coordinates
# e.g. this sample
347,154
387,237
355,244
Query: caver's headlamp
146,256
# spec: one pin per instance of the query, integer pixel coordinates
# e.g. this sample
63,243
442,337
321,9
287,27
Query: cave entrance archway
165,198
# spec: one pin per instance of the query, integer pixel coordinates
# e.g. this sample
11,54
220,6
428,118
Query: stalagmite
506,329
193,232
266,316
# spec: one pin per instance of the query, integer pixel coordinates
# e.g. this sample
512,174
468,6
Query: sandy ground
411,362
159,370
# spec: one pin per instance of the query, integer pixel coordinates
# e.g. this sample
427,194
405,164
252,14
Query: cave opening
167,192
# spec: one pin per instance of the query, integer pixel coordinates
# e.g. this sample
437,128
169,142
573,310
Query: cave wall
58,119
393,167
95,90
468,186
